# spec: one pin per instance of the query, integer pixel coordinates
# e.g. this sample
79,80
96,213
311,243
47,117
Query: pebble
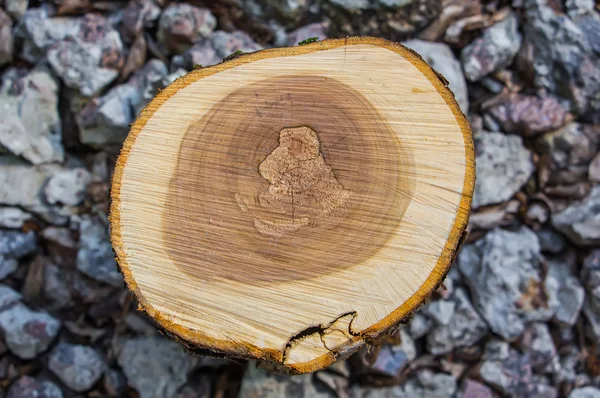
6,38
95,257
528,115
317,29
78,367
89,59
259,383
56,290
28,387
181,25
580,221
503,166
514,377
585,392
16,8
570,146
67,187
39,32
13,217
26,333
502,271
105,121
590,277
564,55
32,126
154,366
473,389
201,53
114,382
464,328
538,346
226,43
419,325
569,295
494,50
14,245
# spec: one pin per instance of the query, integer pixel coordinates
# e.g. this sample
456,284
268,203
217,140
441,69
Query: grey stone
136,16
26,332
8,297
594,169
569,295
538,346
529,115
16,8
31,128
181,25
473,389
503,272
494,50
419,325
6,38
441,311
90,59
572,145
503,167
590,276
21,185
7,266
390,360
580,221
317,29
226,43
564,53
17,244
105,121
78,366
465,327
514,377
67,187
440,57
14,245
201,53
95,257
114,383
28,387
426,384
585,392
39,32
259,383
550,240
579,7
154,366
55,289
13,217
352,5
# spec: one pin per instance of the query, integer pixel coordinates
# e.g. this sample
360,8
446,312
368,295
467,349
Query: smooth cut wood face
288,178
291,204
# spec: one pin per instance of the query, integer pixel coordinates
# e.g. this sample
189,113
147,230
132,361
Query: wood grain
292,204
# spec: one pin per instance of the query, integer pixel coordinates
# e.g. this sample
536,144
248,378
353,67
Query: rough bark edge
195,340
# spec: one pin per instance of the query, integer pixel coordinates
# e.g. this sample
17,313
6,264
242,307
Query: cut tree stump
293,204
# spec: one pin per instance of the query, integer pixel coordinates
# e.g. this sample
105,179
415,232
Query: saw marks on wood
292,203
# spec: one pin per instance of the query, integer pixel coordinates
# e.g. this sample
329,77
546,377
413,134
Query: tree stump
292,204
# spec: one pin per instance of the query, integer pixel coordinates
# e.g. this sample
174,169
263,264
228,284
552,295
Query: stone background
520,315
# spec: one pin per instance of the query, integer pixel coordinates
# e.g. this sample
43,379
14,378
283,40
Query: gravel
155,367
78,367
518,315
503,166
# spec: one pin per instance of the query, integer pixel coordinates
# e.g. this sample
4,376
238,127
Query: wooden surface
291,204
